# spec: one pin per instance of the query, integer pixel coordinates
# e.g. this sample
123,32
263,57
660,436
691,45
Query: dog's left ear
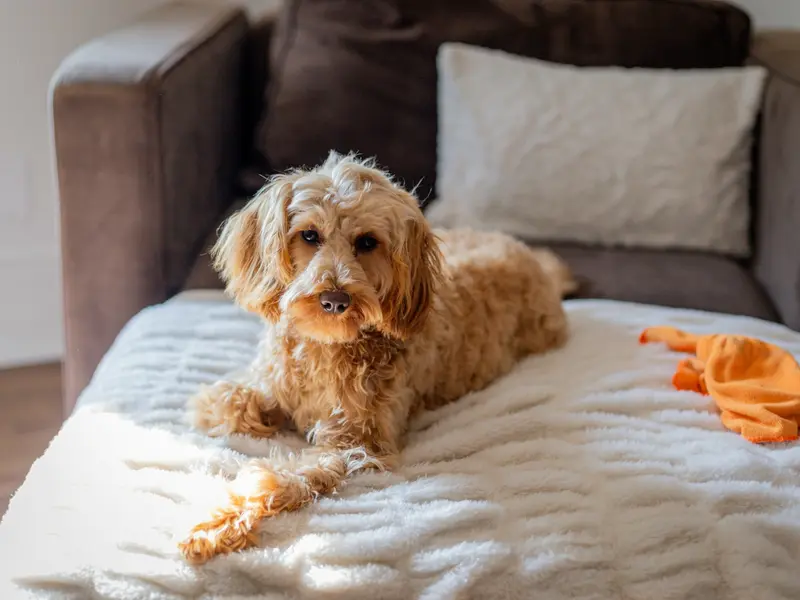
417,271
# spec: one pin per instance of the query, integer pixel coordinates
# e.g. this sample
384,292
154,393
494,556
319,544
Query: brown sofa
160,128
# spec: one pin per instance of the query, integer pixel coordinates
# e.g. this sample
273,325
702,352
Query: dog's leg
260,491
228,407
263,491
557,270
351,440
543,321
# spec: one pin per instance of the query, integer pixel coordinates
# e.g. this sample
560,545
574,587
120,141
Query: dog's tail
260,491
557,269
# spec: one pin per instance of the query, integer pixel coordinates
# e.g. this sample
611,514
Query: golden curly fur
431,317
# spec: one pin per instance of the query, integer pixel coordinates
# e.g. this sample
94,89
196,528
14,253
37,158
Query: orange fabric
756,385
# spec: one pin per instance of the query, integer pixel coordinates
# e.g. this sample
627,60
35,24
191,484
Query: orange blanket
756,385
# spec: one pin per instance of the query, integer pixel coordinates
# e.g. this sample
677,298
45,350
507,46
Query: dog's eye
310,236
366,243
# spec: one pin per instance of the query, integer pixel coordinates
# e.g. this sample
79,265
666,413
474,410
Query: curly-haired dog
371,316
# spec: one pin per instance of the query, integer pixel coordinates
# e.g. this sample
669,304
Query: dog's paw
256,493
225,408
226,533
197,548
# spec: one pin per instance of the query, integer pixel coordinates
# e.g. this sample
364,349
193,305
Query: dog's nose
334,302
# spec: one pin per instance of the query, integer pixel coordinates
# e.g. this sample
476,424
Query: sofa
163,127
583,473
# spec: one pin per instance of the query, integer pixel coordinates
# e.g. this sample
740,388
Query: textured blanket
581,475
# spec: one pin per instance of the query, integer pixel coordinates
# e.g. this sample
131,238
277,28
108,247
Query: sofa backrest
361,74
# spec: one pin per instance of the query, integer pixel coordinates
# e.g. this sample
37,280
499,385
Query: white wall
773,13
34,36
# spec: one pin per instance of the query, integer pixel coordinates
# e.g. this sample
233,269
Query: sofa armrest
148,138
777,229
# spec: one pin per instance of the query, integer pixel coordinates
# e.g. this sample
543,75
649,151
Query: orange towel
756,385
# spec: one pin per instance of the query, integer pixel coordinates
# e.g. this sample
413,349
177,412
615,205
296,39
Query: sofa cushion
360,75
202,275
677,279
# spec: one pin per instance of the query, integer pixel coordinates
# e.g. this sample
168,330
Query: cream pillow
607,156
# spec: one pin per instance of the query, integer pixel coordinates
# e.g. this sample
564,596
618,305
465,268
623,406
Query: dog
371,316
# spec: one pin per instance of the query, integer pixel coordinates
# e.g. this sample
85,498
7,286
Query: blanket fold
756,385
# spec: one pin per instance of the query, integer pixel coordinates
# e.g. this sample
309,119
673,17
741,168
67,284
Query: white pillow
607,156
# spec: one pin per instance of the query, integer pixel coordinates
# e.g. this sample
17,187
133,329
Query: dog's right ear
252,252
417,273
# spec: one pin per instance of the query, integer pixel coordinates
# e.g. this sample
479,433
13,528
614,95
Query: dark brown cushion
360,75
674,279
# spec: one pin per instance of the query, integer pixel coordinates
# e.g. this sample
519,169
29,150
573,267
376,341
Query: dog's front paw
225,408
229,531
258,492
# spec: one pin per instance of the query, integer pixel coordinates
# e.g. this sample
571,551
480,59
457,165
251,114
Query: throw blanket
755,384
581,475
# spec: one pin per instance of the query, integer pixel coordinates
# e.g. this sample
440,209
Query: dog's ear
417,271
252,252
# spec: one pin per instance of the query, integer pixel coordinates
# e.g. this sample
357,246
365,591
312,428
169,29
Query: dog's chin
310,321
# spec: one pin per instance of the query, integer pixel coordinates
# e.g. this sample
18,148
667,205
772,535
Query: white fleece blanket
582,475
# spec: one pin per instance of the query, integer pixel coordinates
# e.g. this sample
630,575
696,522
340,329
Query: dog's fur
432,317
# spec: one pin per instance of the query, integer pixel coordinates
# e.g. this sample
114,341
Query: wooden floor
30,415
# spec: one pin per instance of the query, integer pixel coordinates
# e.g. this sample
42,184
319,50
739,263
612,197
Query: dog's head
339,250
